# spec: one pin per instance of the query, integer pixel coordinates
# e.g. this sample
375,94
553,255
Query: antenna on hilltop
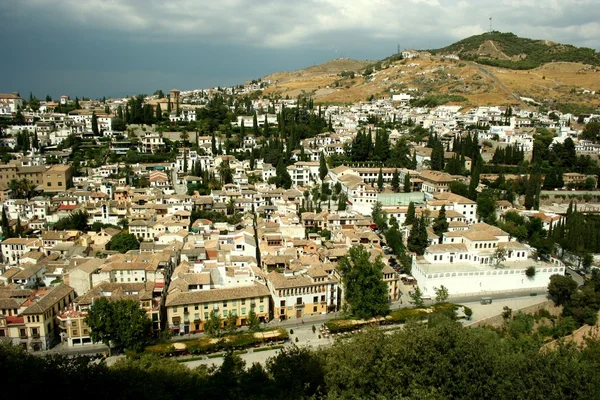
490,24
398,50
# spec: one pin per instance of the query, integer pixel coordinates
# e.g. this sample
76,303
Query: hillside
507,50
479,84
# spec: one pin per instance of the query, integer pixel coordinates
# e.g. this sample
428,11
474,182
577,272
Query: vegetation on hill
508,50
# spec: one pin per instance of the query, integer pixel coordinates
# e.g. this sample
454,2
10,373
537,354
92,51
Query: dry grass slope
480,84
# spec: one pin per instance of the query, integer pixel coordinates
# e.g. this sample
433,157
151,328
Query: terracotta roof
215,295
54,295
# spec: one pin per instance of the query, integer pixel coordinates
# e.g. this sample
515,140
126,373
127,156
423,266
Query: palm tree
231,206
28,188
15,187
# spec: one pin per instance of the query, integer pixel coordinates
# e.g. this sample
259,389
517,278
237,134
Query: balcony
35,335
299,305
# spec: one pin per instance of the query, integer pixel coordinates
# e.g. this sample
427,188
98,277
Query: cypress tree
322,167
380,180
395,181
407,183
410,214
95,124
440,225
158,113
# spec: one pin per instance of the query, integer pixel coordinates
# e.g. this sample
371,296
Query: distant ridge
508,50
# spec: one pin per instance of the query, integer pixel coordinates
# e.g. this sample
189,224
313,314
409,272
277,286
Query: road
496,81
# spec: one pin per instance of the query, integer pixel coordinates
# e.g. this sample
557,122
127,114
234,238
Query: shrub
291,331
530,272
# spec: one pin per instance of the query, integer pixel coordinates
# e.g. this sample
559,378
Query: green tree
380,180
123,242
159,116
121,323
212,326
561,288
407,183
417,297
322,167
6,231
379,216
440,225
411,214
298,373
486,206
418,238
95,124
252,321
365,291
231,323
441,294
395,181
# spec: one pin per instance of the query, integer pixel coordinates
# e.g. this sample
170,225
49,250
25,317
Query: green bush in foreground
438,360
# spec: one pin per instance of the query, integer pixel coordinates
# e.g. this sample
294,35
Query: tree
366,292
530,272
486,206
123,242
212,326
18,227
298,372
252,321
379,217
231,323
121,323
410,214
322,167
499,256
561,288
407,183
77,220
6,233
380,180
225,172
159,115
440,225
441,294
95,124
395,181
418,238
417,297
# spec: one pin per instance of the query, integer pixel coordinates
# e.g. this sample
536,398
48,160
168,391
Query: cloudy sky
98,48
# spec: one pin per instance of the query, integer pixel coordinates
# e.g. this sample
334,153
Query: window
282,304
225,313
73,323
315,309
196,307
262,309
315,299
262,299
206,306
205,315
323,298
75,333
244,302
59,183
224,304
244,311
49,184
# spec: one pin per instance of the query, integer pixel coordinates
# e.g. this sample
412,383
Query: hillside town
210,203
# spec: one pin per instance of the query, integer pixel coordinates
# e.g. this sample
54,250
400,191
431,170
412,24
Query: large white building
468,262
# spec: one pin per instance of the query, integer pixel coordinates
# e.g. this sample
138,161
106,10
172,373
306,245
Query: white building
469,262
